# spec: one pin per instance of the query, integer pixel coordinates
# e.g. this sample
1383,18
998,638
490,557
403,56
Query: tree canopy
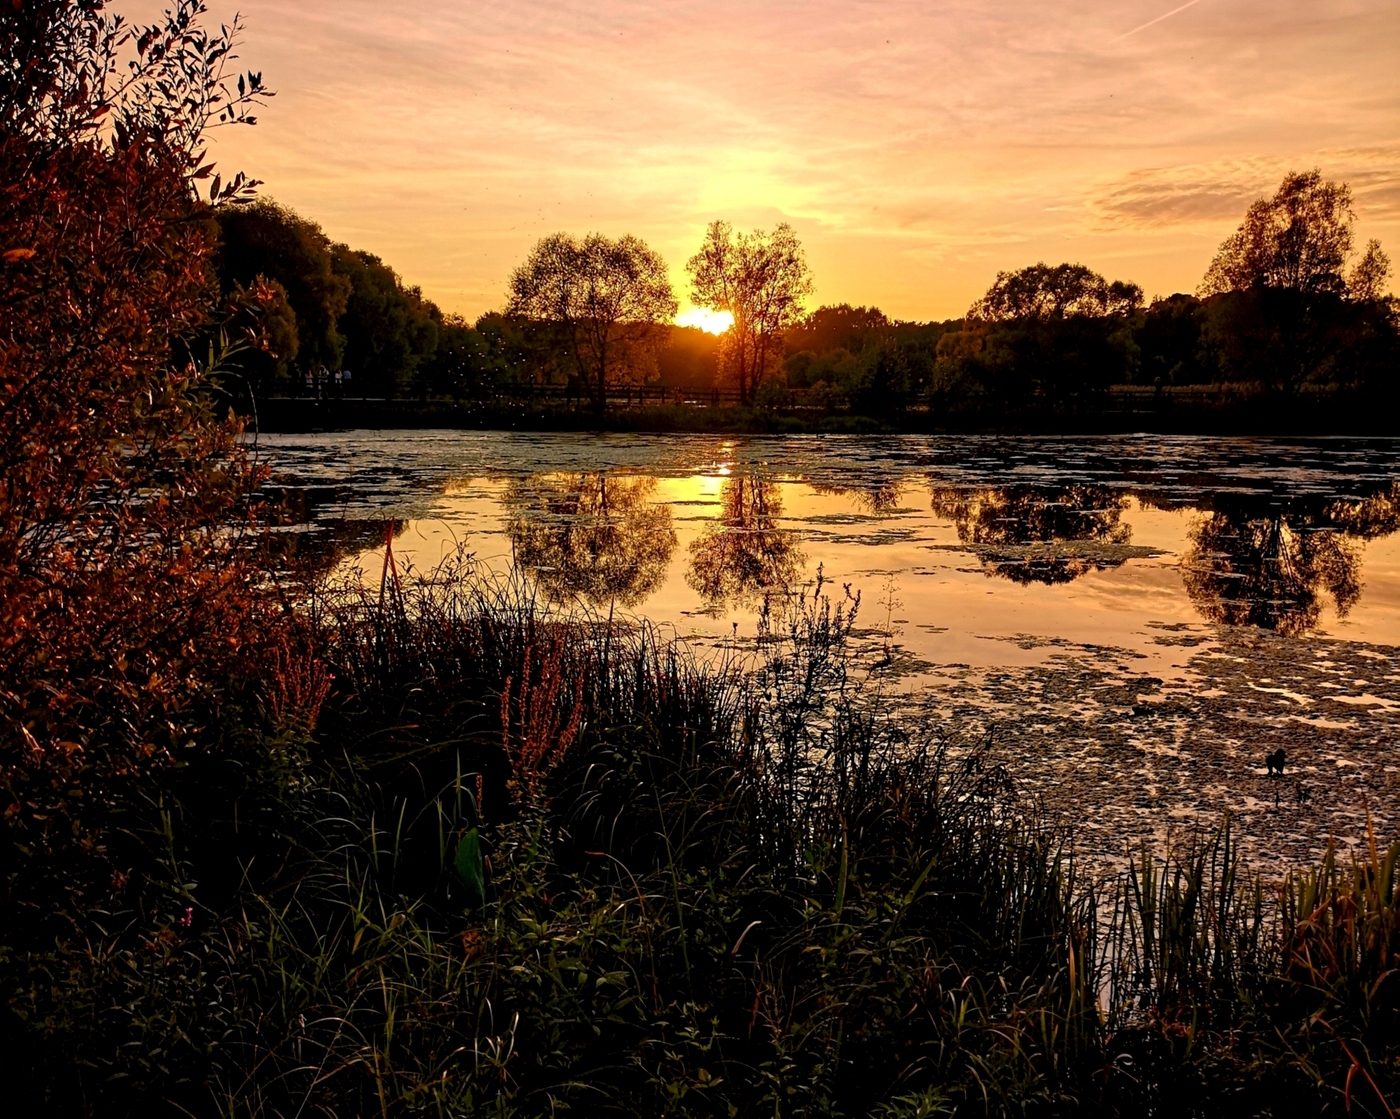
609,301
325,304
1044,335
1042,292
761,279
1300,240
267,241
390,330
836,327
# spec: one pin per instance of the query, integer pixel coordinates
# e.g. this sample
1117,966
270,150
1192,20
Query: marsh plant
460,853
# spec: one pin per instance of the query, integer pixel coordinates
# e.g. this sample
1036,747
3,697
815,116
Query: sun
711,322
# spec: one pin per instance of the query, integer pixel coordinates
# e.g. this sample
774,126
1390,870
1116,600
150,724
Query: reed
471,856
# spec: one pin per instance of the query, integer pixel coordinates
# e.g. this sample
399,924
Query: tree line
1286,307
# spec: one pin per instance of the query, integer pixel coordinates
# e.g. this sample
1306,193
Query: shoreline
1300,419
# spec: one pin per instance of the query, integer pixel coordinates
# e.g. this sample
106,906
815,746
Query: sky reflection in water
1141,619
974,551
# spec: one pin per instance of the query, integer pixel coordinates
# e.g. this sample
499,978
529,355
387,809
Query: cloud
917,145
1374,175
1205,195
1183,197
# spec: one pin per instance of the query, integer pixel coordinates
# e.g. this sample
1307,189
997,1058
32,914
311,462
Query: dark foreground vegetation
275,849
446,854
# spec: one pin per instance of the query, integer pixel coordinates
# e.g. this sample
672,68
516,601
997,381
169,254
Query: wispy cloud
1154,22
917,145
1203,196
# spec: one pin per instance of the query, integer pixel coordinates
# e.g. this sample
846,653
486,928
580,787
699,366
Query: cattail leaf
471,867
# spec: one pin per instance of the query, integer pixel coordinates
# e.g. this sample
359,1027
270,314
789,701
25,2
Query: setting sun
711,322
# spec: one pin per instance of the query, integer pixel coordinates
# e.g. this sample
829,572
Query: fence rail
1118,398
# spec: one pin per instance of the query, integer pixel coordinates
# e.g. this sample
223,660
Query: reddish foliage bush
126,587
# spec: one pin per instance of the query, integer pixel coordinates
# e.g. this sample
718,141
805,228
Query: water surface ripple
1137,620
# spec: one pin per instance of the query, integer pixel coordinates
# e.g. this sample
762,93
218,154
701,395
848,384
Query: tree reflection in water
1036,534
590,536
1270,570
879,496
742,555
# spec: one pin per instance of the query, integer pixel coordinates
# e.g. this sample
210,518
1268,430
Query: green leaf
471,867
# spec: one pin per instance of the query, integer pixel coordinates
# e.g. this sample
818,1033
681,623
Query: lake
1137,621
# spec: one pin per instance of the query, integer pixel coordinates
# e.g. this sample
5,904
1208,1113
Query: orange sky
917,146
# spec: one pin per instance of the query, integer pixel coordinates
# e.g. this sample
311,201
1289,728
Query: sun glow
711,322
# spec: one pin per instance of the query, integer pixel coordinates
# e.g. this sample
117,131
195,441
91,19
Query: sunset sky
917,146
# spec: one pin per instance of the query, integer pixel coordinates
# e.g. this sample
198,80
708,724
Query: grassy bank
450,854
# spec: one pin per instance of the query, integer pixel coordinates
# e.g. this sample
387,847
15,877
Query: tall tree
608,301
1300,240
390,330
762,280
1366,283
838,327
1052,334
265,241
1283,309
1043,293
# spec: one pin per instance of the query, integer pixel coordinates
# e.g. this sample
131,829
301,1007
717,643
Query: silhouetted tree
1300,240
1046,334
838,327
609,304
269,242
761,279
462,365
1367,280
1044,293
1170,345
856,356
1284,339
390,330
524,352
1283,310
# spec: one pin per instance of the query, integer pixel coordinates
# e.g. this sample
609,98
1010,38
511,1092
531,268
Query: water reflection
1247,533
591,536
308,552
742,555
1037,534
878,496
1271,569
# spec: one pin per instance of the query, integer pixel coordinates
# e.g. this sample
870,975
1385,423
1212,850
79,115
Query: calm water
1138,620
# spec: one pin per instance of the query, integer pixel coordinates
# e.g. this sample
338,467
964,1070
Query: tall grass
463,855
